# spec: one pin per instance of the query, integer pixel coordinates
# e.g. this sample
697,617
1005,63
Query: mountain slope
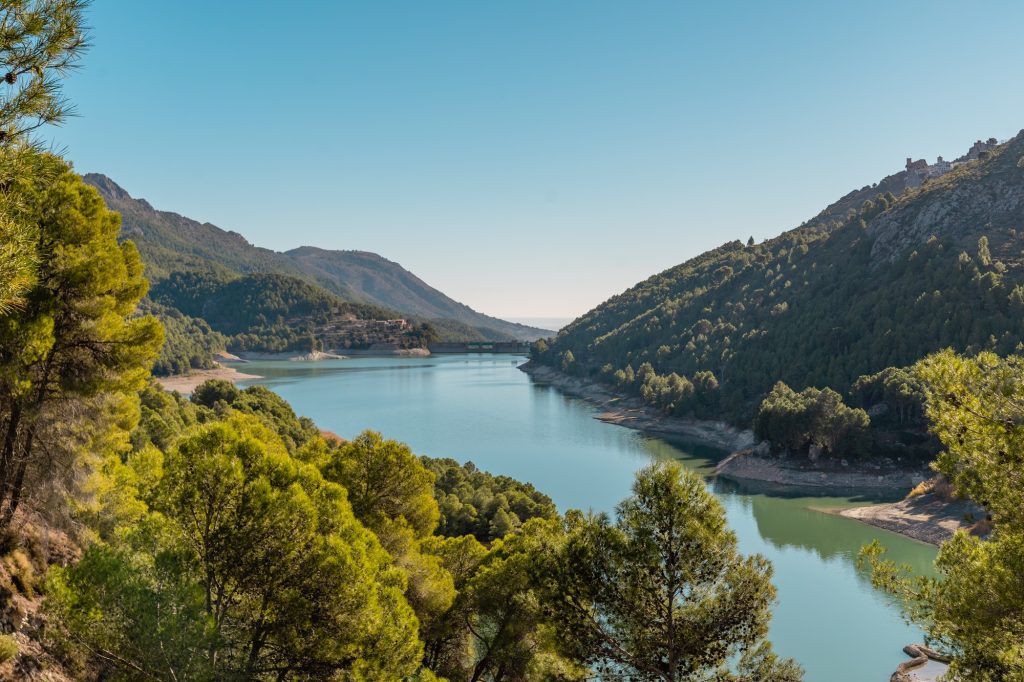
359,275
837,298
172,243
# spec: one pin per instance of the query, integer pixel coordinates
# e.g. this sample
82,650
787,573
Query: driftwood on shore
920,655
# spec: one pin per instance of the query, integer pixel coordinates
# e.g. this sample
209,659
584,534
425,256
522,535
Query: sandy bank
745,466
634,414
923,517
290,355
186,383
391,352
318,355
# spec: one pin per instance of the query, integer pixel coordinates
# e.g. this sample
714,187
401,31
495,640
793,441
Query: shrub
8,648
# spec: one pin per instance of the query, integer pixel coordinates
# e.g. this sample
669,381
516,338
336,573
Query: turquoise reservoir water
481,408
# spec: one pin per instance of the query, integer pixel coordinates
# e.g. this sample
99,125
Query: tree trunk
7,454
15,487
19,483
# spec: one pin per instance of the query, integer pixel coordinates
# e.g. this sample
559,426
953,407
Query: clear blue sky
531,158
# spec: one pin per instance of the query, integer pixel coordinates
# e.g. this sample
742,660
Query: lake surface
481,408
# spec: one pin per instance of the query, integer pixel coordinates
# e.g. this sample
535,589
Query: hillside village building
920,170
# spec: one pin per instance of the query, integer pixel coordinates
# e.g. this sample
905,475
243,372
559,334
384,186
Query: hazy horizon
530,159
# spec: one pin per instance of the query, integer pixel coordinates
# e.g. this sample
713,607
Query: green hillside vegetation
972,606
235,304
290,556
822,305
266,301
171,243
144,536
282,313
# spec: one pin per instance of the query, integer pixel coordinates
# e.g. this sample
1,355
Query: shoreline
925,518
931,521
186,383
634,414
317,356
746,466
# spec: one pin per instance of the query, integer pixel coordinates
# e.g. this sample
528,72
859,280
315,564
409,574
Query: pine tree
40,41
72,355
662,595
973,608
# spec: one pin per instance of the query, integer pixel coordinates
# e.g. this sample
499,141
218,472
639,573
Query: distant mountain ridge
170,242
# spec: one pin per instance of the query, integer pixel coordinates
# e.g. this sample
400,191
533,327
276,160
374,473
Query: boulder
877,410
814,452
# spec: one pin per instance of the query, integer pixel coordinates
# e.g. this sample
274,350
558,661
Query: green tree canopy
386,481
40,41
662,594
974,609
813,417
73,348
510,633
241,563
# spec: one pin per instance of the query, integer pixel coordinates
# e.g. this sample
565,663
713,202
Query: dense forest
274,313
825,305
281,313
189,343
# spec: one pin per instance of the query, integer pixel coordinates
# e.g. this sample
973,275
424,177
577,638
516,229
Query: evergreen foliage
267,312
72,356
172,243
40,42
799,421
973,609
488,507
231,453
237,561
189,343
662,594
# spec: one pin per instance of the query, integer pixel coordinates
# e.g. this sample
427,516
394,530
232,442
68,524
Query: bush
796,421
8,648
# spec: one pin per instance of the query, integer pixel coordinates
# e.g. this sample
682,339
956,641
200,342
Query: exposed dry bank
635,414
186,383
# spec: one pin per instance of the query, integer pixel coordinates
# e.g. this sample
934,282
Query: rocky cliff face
985,195
912,176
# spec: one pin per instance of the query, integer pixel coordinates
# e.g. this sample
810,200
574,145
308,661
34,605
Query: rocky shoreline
293,356
926,665
926,518
634,414
749,466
